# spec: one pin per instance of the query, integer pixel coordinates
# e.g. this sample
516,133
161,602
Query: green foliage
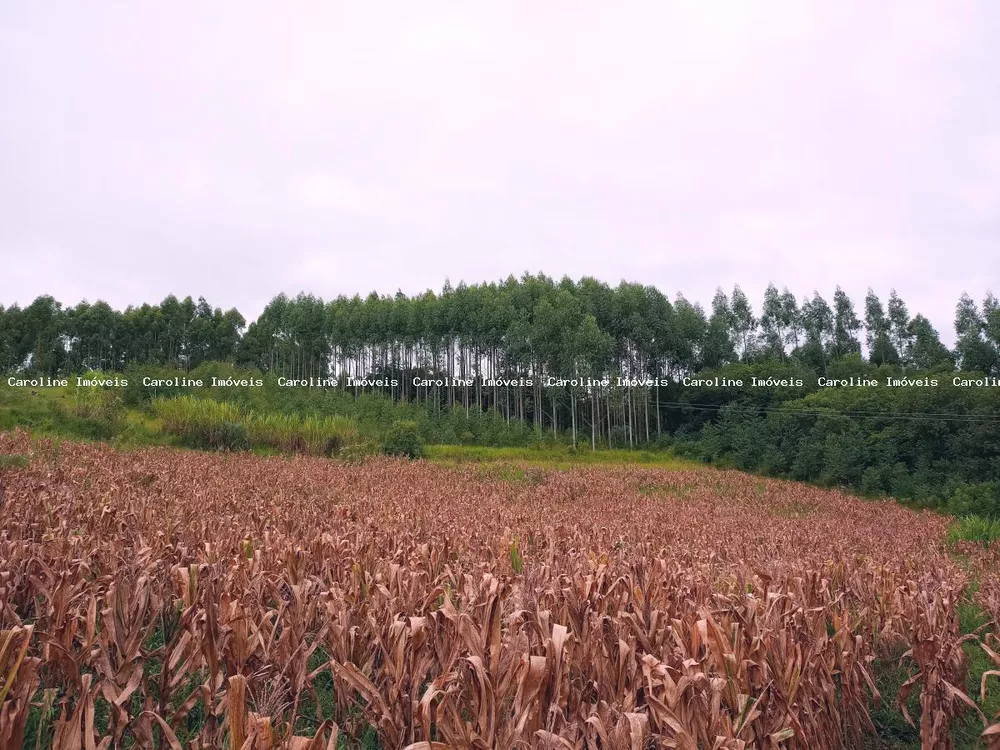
403,439
980,499
356,453
498,460
975,529
219,425
208,425
231,436
49,412
935,445
332,446
293,434
97,402
516,563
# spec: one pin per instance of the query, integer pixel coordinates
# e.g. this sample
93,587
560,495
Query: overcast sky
235,150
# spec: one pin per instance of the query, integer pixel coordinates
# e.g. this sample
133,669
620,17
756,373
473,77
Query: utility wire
913,416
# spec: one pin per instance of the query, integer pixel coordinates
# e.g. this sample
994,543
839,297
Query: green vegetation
582,361
201,423
554,456
516,563
15,461
403,439
975,529
930,446
205,423
370,414
49,411
934,446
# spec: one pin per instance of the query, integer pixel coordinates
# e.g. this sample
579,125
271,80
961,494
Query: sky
233,151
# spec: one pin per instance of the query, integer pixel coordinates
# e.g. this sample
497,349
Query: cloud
337,148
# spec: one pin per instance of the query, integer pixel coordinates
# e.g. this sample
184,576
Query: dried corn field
175,599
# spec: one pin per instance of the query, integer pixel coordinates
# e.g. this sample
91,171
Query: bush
232,436
982,499
403,439
332,446
97,403
356,453
663,442
225,436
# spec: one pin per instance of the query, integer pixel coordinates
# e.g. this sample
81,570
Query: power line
911,416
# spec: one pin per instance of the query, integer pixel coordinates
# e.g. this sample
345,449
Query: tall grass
976,529
294,434
206,423
96,402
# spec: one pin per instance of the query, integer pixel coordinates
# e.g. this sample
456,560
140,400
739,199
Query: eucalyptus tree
92,337
692,328
717,347
11,355
972,349
41,341
214,334
991,328
553,316
291,337
147,341
589,351
493,335
177,317
899,326
772,325
633,333
926,350
880,348
666,346
817,321
791,317
744,323
845,326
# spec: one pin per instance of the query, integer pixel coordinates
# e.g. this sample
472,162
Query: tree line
501,334
519,326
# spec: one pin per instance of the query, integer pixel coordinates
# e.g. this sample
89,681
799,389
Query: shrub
403,439
232,436
223,436
96,402
982,499
356,453
332,446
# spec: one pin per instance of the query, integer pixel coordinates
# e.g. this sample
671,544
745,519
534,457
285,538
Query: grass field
560,457
485,598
